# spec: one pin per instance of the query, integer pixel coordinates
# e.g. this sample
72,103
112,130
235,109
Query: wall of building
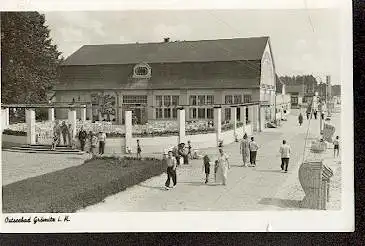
267,83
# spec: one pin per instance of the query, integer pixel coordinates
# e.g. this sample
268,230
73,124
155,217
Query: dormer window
142,71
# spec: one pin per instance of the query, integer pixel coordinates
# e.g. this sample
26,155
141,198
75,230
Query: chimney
166,40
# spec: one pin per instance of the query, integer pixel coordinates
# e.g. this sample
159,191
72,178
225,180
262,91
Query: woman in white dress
223,166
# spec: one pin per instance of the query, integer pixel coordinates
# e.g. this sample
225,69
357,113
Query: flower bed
152,129
71,189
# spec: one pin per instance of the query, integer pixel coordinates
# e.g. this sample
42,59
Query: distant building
151,79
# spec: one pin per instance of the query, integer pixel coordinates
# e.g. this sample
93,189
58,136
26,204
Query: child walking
336,146
206,167
54,141
139,150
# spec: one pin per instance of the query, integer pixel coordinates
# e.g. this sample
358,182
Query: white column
128,130
51,114
4,118
72,120
30,120
243,118
181,123
255,118
234,121
262,118
83,113
7,117
90,112
100,116
218,123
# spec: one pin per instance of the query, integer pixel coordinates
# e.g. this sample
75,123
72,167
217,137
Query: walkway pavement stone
263,187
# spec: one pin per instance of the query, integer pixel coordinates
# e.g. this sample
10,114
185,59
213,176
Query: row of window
201,100
201,113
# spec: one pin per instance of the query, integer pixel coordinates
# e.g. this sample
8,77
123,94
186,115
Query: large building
151,79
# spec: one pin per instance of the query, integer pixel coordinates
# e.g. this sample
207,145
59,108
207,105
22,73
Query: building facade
154,79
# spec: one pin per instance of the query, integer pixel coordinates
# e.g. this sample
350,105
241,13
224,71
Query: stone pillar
99,115
181,123
243,118
90,111
262,119
83,113
30,120
255,119
218,123
7,122
72,120
51,114
128,130
234,121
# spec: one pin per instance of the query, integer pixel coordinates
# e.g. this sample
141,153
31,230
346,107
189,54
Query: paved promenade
261,188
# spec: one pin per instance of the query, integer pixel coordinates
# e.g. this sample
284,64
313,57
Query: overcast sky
303,41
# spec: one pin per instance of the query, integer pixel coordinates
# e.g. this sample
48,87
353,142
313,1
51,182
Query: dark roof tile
170,52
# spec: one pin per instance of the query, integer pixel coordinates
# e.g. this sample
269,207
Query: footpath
263,187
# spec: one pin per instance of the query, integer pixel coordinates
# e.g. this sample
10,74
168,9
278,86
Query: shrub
14,133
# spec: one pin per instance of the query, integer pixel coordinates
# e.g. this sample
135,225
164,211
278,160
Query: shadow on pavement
152,187
282,203
269,171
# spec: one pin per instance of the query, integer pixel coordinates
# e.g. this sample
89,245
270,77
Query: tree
29,59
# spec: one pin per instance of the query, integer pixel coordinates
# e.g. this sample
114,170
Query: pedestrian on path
223,166
308,113
300,119
285,155
245,149
139,150
64,130
253,152
190,154
94,143
57,132
206,167
336,146
176,154
69,134
82,138
102,139
171,170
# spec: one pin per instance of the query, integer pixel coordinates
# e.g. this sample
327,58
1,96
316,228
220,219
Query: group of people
93,143
63,130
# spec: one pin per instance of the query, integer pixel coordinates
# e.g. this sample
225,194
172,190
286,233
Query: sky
303,41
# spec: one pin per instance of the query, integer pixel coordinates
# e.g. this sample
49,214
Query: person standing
206,167
102,139
57,132
82,138
190,154
253,152
171,170
94,143
69,134
64,130
245,149
175,152
308,112
285,155
336,146
139,150
300,119
223,166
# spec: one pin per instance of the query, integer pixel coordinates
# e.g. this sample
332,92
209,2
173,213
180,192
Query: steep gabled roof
170,52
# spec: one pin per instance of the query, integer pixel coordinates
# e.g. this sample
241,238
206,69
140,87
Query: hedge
71,189
14,133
